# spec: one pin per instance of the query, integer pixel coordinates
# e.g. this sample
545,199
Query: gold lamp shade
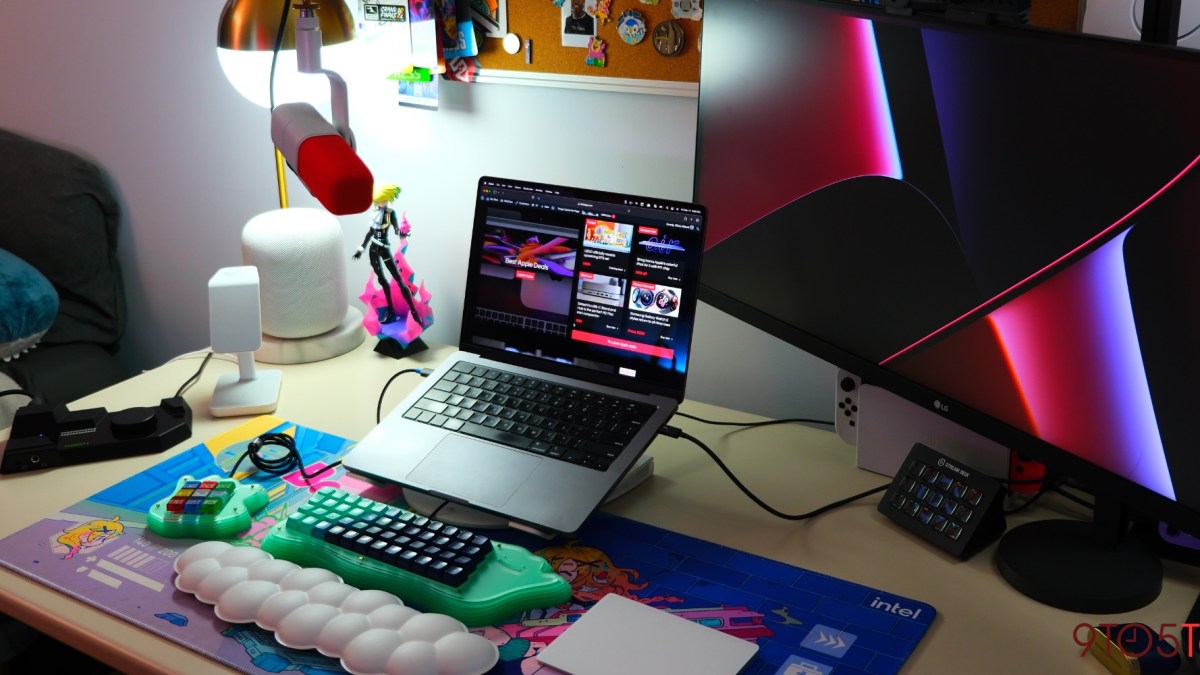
251,25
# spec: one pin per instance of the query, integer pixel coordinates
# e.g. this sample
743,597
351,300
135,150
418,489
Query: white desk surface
983,626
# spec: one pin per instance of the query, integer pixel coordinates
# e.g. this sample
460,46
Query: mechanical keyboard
433,565
567,423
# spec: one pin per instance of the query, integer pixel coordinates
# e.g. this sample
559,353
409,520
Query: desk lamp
306,311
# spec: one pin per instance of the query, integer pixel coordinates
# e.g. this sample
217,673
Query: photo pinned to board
491,16
459,38
578,23
418,89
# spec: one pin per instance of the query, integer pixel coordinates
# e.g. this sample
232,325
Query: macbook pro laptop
557,389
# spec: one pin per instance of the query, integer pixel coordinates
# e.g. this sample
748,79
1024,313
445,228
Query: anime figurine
398,334
380,250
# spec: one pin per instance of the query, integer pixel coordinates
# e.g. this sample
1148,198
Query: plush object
28,305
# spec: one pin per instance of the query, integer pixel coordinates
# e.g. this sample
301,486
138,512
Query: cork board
1060,15
542,22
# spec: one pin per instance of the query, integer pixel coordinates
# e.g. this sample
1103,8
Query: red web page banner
627,345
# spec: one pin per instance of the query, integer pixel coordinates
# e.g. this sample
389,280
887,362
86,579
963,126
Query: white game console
884,427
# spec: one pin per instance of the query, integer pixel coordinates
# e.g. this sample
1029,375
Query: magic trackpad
475,470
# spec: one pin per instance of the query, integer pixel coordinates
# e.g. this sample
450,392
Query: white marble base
346,336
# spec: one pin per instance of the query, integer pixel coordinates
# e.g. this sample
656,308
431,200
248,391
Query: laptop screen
595,285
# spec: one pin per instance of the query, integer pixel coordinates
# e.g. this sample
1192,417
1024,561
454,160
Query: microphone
322,159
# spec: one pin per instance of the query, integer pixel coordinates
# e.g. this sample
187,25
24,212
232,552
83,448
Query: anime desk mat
804,623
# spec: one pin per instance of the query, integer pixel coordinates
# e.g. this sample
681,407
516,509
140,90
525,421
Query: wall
137,88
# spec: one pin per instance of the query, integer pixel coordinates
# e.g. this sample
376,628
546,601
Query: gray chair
58,213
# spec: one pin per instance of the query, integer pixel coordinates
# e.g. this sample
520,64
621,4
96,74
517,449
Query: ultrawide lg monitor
1004,220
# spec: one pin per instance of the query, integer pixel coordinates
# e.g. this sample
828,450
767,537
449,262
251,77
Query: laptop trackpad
463,467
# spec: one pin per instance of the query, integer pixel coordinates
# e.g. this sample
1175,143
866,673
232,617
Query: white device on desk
884,427
235,326
619,635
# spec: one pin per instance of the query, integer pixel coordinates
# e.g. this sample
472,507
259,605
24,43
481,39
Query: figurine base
389,347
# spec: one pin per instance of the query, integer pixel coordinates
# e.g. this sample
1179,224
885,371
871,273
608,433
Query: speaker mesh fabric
299,255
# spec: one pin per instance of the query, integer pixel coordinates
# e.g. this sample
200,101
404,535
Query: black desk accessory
46,436
953,506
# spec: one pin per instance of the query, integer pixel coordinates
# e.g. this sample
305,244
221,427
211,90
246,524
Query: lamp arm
308,60
339,106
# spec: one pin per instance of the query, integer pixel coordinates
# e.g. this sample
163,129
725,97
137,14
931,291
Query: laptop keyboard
566,423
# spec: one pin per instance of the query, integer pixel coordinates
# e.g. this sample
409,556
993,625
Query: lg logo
938,405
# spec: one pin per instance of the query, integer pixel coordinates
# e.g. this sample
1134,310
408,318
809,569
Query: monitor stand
465,516
1095,567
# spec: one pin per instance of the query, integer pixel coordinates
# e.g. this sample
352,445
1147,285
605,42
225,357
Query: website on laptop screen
597,281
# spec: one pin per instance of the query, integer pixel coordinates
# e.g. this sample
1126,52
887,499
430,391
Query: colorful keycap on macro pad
205,497
208,508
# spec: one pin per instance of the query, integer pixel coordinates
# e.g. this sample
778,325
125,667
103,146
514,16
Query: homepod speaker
235,328
306,311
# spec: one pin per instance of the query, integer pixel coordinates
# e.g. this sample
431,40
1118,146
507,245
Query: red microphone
323,160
